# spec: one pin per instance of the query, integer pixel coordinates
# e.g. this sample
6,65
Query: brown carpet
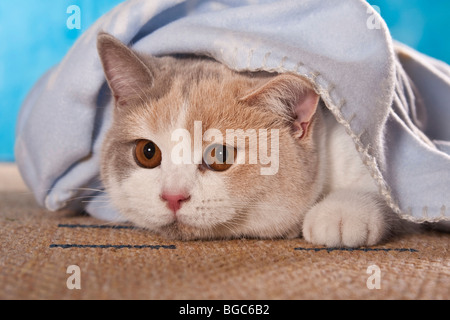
37,246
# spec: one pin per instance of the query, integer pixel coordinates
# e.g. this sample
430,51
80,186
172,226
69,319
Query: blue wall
34,36
421,24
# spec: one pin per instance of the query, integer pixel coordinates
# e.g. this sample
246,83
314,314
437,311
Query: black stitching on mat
94,226
110,246
358,249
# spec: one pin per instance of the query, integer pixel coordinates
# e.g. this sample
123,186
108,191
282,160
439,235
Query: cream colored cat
320,189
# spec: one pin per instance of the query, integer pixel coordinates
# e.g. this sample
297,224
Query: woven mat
121,262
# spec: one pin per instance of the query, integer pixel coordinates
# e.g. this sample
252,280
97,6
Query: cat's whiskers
88,197
95,201
101,193
234,205
87,189
62,190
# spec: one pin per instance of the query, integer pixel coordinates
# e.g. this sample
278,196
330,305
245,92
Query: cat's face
197,151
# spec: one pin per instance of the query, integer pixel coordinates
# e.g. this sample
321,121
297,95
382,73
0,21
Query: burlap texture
128,263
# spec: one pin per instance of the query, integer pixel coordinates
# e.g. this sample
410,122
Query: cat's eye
147,154
219,157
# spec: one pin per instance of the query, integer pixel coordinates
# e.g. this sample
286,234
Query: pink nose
174,200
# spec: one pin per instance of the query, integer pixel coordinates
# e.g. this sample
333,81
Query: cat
321,190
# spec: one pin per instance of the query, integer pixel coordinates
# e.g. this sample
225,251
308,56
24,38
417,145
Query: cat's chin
184,232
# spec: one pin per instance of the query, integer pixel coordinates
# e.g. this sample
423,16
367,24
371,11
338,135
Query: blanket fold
392,100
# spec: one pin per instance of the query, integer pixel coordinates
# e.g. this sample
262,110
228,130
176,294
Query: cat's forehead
213,103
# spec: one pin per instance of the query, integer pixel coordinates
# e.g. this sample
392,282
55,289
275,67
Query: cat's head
198,151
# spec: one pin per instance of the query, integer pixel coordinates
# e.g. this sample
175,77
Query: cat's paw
345,220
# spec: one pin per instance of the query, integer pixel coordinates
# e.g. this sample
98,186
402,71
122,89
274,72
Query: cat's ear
291,97
126,73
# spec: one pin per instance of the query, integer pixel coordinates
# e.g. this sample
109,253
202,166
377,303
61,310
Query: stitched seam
282,62
234,59
266,57
361,134
297,67
425,212
249,58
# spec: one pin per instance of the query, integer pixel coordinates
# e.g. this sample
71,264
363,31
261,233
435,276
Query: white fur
352,213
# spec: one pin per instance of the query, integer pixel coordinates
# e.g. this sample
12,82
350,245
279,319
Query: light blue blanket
343,47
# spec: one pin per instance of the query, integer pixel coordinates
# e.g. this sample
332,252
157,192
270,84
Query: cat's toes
318,229
340,224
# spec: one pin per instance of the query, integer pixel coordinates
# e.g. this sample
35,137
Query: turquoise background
34,37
